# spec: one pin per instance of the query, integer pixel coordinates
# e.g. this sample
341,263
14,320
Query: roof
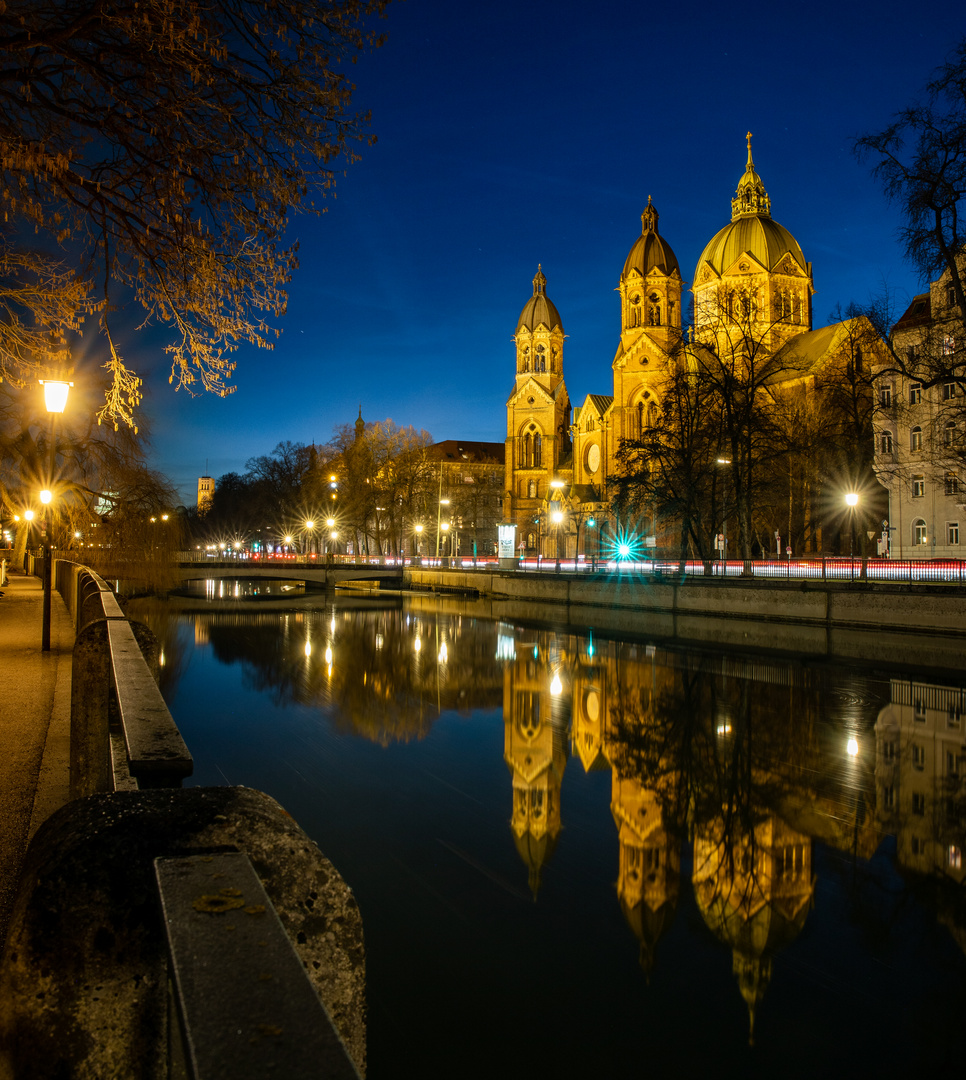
752,229
602,402
918,313
539,308
479,453
805,354
759,236
650,250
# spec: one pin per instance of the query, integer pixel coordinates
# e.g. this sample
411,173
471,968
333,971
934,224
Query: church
751,282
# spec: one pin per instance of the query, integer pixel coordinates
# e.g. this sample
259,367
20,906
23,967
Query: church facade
751,282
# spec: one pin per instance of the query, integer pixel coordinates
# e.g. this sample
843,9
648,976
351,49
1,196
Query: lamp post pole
55,398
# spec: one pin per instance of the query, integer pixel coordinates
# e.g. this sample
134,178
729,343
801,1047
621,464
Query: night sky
525,132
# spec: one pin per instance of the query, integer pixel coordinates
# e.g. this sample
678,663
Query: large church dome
539,309
752,230
650,251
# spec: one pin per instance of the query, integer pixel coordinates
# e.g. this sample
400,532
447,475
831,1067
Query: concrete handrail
122,736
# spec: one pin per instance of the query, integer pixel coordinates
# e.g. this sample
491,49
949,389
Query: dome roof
539,309
752,229
761,237
650,251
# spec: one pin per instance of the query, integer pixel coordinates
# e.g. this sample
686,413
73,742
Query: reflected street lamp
439,512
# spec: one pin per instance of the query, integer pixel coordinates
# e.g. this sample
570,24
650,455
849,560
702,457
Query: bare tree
156,152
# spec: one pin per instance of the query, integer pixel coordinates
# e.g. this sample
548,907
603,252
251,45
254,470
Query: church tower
650,290
752,286
538,415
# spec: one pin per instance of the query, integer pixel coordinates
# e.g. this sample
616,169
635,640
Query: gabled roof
479,453
918,313
806,354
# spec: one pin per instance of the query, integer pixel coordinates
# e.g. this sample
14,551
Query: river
577,855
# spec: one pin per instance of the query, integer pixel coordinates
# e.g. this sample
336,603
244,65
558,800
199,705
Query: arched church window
532,489
654,310
640,419
526,358
554,358
537,451
527,451
541,364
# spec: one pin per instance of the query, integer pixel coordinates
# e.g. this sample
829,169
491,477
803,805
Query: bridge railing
813,568
122,736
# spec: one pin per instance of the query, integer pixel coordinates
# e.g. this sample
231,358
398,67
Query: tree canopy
151,152
920,160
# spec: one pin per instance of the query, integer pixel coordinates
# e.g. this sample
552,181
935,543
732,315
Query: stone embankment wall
914,624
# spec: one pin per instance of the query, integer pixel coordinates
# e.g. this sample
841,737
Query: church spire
750,197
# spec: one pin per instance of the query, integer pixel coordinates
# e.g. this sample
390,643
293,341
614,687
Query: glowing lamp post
55,400
851,501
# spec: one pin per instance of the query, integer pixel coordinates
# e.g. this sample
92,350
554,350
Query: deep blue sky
517,132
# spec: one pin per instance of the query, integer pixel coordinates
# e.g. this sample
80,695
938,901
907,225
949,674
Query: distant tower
206,492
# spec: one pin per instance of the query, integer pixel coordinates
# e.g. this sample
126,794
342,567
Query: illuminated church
751,279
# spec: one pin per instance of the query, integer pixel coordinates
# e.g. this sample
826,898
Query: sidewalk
34,723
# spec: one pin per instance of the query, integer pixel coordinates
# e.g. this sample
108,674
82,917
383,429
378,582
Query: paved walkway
34,723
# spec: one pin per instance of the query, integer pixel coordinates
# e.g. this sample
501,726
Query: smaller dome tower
650,287
539,337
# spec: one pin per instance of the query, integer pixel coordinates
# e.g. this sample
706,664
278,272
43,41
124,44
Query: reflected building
754,890
648,881
920,767
536,720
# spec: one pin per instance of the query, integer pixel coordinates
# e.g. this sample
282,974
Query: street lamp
310,525
55,400
419,535
851,500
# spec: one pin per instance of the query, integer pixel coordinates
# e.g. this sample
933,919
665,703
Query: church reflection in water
731,767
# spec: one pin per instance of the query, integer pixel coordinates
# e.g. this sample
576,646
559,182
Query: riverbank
911,625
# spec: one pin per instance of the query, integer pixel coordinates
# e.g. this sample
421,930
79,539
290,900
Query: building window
949,433
952,716
915,393
915,439
885,397
949,391
954,857
889,750
918,487
888,797
919,532
885,442
918,846
919,710
532,489
918,804
952,484
952,763
918,756
949,345
952,533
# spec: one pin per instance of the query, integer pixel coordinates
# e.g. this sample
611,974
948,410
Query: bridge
317,573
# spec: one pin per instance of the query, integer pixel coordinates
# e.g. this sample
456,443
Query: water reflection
727,774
